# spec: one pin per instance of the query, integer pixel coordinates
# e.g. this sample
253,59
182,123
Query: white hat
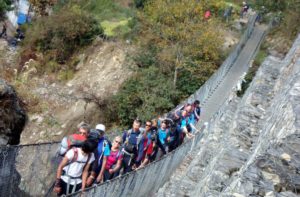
100,127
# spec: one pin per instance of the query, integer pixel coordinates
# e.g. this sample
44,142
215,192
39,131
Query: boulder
12,115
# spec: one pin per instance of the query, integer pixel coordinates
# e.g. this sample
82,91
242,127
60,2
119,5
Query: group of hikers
228,12
89,157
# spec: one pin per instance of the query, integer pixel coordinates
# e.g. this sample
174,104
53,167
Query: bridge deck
239,67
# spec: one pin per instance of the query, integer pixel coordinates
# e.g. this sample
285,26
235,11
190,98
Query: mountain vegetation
177,48
5,5
178,51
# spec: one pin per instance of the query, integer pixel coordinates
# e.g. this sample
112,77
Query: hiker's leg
63,188
78,187
127,167
161,146
153,157
171,146
106,176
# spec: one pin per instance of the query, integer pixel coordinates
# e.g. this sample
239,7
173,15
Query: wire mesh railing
29,170
205,91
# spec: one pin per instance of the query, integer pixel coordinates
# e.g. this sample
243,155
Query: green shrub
146,56
260,57
65,75
139,3
61,34
5,5
145,95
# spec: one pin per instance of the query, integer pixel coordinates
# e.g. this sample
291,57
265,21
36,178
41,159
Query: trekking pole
50,190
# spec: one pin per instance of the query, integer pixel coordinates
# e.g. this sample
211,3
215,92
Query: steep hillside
100,72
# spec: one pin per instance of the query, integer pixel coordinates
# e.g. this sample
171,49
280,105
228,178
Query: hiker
207,15
111,163
146,147
172,138
153,136
102,150
175,119
74,140
72,171
184,127
244,9
131,139
260,14
4,29
227,13
197,110
162,136
189,108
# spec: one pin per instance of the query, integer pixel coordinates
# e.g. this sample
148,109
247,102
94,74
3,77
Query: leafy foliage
182,37
140,3
59,35
145,95
290,24
179,51
40,6
286,13
5,5
273,5
112,16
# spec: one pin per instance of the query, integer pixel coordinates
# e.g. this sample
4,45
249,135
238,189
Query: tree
178,51
184,40
5,5
145,95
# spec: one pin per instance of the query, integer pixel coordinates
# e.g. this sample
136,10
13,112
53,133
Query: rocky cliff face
253,149
12,115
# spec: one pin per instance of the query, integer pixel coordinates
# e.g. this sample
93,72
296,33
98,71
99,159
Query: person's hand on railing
189,135
134,167
99,179
83,194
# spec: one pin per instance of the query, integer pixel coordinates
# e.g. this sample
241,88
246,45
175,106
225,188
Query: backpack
74,140
174,120
74,159
94,137
130,147
106,142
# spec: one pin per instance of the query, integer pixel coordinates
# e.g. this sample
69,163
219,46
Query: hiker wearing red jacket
207,15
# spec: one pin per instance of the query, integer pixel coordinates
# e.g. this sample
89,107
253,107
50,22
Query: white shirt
75,169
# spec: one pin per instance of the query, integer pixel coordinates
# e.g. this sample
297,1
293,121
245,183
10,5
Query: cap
100,127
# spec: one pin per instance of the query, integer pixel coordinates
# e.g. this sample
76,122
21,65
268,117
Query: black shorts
64,186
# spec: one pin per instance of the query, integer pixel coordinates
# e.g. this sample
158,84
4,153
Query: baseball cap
100,127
